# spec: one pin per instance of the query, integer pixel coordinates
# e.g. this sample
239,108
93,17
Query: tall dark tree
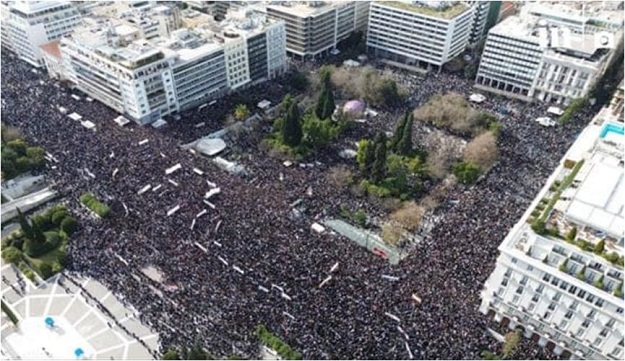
325,103
292,126
378,169
399,132
404,147
369,158
26,227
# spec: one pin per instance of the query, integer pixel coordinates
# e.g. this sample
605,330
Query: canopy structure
75,116
121,121
87,124
210,147
477,98
555,111
159,123
351,63
264,105
354,106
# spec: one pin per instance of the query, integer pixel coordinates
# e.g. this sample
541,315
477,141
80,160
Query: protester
261,266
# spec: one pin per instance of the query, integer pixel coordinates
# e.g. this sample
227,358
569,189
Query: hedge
99,208
9,313
35,249
270,340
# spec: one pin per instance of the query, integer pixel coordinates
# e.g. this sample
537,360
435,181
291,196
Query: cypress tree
378,168
404,147
328,106
399,132
26,227
292,127
369,158
321,104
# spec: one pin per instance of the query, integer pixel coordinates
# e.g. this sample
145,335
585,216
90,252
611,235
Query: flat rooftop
424,8
303,9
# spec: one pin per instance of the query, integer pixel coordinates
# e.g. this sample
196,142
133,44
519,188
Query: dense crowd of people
239,259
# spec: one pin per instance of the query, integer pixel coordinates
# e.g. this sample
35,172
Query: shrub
539,227
68,225
467,173
58,216
372,189
9,313
599,247
56,267
360,217
599,283
572,234
569,164
12,255
45,270
99,208
612,257
562,267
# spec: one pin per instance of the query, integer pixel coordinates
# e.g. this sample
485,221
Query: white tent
477,98
121,121
75,116
555,111
87,124
159,123
264,105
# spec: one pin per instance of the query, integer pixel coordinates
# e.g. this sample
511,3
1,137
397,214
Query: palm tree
241,112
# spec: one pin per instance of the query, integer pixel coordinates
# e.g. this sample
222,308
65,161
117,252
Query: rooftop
304,9
52,48
438,9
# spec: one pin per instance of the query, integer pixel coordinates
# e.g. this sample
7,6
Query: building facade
315,27
30,24
549,53
566,291
146,79
419,34
480,19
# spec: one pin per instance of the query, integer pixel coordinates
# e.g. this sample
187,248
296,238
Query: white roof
121,120
555,110
210,147
600,197
75,116
477,98
87,124
159,123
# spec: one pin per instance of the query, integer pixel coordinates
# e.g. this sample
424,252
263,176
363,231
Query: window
515,299
524,280
552,306
619,310
616,352
581,294
580,333
563,324
540,288
564,285
585,324
547,315
514,260
599,303
531,307
546,277
604,332
519,290
557,297
568,315
572,289
592,314
574,305
610,323
504,282
590,298
535,298
597,342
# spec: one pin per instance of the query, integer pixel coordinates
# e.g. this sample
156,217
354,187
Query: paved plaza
78,322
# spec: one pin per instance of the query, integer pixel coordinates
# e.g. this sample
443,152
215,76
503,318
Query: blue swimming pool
612,128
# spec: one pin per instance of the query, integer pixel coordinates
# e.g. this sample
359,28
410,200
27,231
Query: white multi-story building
145,79
315,27
419,33
549,53
31,24
562,283
480,18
